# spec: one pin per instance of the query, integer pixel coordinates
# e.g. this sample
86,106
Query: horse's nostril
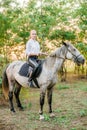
83,61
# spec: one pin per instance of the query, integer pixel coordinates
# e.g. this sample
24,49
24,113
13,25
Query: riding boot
33,64
30,80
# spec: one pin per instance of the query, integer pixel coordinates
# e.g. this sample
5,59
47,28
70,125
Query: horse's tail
5,85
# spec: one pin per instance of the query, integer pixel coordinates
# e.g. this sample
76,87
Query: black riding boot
33,63
30,79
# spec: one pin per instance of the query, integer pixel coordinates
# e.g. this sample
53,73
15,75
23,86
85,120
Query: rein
59,57
76,57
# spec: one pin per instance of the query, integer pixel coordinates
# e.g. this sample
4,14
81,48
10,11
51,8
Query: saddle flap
24,70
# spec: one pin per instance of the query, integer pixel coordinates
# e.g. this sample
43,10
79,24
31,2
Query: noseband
76,57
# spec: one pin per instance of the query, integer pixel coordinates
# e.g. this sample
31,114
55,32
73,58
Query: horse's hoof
21,108
12,110
52,115
41,117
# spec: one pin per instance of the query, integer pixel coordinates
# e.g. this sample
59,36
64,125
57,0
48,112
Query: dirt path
69,105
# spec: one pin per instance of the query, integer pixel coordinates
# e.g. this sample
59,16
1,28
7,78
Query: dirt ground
28,119
69,106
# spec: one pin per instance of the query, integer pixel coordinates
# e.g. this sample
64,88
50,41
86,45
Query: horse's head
74,54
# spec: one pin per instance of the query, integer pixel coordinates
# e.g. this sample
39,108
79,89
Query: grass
62,86
69,106
83,112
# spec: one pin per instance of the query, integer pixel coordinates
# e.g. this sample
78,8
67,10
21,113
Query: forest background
54,20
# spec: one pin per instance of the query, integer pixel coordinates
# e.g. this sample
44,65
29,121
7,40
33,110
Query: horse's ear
64,43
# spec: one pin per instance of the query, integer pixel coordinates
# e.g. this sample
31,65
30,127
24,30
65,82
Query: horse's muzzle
80,60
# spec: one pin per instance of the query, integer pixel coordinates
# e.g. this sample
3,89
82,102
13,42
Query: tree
81,15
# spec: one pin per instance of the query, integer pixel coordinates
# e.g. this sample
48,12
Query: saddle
24,71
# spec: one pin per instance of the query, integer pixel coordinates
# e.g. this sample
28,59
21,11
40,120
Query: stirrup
31,84
30,79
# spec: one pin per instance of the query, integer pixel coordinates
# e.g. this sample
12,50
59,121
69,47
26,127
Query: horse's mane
58,51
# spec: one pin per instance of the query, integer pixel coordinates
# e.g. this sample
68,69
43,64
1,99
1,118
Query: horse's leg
10,95
11,101
16,93
49,98
42,98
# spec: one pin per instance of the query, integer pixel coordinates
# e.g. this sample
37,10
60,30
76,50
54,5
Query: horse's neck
60,58
55,62
58,63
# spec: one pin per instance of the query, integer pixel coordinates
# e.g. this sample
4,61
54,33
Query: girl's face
33,34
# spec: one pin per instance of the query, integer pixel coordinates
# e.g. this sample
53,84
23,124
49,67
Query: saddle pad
24,70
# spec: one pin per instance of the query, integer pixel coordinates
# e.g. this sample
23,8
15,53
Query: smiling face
33,34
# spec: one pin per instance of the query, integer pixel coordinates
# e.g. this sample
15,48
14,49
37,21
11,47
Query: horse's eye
74,49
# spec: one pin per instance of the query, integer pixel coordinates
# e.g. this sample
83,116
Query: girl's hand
43,53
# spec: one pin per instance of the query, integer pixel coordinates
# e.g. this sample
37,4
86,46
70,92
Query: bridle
76,57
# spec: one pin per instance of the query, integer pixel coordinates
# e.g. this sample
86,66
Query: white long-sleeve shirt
32,47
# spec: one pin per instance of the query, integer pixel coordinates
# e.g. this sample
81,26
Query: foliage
45,17
0,81
61,34
5,25
82,47
53,20
81,14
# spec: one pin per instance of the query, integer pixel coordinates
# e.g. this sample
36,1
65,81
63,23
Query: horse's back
15,64
14,67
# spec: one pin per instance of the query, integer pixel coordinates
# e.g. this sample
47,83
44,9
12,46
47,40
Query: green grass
62,86
69,105
83,112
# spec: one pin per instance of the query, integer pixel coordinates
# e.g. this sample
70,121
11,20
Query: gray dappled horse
46,80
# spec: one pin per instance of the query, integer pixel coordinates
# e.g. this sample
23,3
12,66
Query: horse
46,79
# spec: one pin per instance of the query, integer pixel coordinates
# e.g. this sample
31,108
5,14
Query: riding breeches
33,61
